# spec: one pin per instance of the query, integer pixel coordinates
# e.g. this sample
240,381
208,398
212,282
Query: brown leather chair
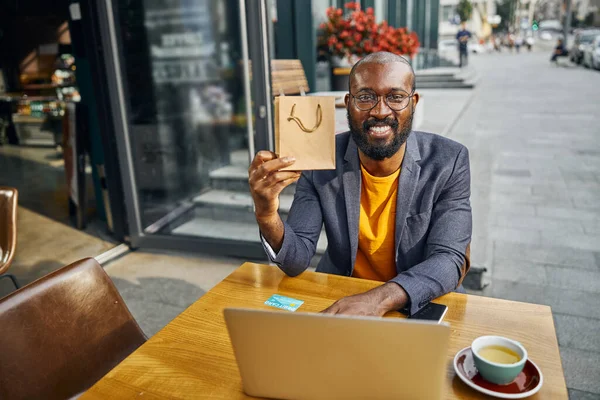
62,333
8,230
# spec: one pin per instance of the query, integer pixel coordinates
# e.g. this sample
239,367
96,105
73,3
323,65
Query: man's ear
415,98
346,99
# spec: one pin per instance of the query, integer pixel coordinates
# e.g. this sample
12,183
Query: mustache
370,123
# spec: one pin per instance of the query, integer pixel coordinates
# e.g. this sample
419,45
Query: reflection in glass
186,105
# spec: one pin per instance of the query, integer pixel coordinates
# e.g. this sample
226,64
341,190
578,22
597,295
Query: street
533,133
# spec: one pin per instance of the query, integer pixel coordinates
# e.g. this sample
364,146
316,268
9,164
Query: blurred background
130,124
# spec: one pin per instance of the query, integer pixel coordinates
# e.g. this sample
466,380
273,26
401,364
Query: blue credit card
283,302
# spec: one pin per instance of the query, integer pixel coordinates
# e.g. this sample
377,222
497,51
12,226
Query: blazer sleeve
302,229
449,236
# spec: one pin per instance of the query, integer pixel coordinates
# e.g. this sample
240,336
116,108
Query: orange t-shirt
375,258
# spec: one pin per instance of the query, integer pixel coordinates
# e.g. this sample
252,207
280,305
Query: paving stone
591,227
573,279
520,271
563,301
544,254
557,200
578,332
515,235
567,213
575,241
155,301
522,190
580,395
512,209
538,223
513,172
582,369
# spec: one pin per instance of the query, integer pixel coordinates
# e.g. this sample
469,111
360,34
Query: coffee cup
499,360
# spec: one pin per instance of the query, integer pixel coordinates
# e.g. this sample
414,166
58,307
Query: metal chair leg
12,278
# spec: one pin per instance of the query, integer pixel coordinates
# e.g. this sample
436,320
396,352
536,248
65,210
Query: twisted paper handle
301,125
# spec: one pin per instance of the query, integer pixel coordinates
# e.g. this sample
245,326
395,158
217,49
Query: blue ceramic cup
494,372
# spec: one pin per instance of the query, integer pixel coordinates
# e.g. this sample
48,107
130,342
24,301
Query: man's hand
376,302
267,181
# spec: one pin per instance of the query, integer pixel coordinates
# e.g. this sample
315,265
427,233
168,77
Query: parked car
591,54
546,35
582,39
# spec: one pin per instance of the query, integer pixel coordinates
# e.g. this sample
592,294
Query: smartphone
431,312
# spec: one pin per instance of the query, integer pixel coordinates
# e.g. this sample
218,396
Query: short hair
382,57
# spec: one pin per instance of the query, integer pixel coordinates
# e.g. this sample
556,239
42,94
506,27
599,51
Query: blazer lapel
351,179
409,177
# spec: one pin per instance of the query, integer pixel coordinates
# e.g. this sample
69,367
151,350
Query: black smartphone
431,312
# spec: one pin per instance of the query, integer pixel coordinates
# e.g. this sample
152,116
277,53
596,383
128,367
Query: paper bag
305,129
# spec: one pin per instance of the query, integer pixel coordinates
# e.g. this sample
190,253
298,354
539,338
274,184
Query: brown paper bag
305,129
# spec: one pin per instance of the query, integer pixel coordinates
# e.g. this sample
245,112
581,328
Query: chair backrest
8,226
287,77
63,332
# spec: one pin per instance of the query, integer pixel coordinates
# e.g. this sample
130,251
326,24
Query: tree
505,9
464,9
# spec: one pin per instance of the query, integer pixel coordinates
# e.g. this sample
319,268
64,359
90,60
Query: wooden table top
192,356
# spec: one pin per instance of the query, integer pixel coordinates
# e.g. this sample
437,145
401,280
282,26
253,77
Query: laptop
316,356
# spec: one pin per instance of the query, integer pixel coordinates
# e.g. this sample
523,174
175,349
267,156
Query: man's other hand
359,304
376,302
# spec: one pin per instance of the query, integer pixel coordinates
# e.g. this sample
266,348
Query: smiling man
396,208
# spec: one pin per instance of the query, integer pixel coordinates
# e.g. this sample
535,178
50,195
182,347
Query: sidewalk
533,133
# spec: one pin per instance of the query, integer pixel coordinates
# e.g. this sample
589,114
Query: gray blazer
433,217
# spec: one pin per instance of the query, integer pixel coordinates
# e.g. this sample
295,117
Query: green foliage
464,9
505,9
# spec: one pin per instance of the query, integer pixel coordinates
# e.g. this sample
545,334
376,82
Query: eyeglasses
395,100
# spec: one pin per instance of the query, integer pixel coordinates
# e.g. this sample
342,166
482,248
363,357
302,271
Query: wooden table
192,356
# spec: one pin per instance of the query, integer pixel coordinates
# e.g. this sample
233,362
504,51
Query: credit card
283,302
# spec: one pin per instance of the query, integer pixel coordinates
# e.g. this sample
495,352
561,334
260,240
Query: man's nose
381,110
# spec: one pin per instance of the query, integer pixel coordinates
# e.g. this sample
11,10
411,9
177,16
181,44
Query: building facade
478,24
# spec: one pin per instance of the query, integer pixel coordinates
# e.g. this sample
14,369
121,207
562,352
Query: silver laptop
316,356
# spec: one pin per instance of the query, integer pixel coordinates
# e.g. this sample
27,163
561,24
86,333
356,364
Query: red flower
357,33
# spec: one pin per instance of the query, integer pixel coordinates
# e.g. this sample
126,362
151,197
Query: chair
62,333
8,230
288,77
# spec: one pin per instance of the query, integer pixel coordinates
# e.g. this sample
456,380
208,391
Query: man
559,51
463,37
395,209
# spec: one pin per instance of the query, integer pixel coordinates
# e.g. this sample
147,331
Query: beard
380,151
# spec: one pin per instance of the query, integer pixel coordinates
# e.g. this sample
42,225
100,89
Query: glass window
447,13
186,114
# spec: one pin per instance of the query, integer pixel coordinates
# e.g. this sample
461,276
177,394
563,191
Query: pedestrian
463,37
559,51
518,42
529,41
496,43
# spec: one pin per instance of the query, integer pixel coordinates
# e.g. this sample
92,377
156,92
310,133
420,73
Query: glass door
189,83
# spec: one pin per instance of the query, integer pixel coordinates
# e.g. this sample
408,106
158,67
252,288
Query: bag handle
301,125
